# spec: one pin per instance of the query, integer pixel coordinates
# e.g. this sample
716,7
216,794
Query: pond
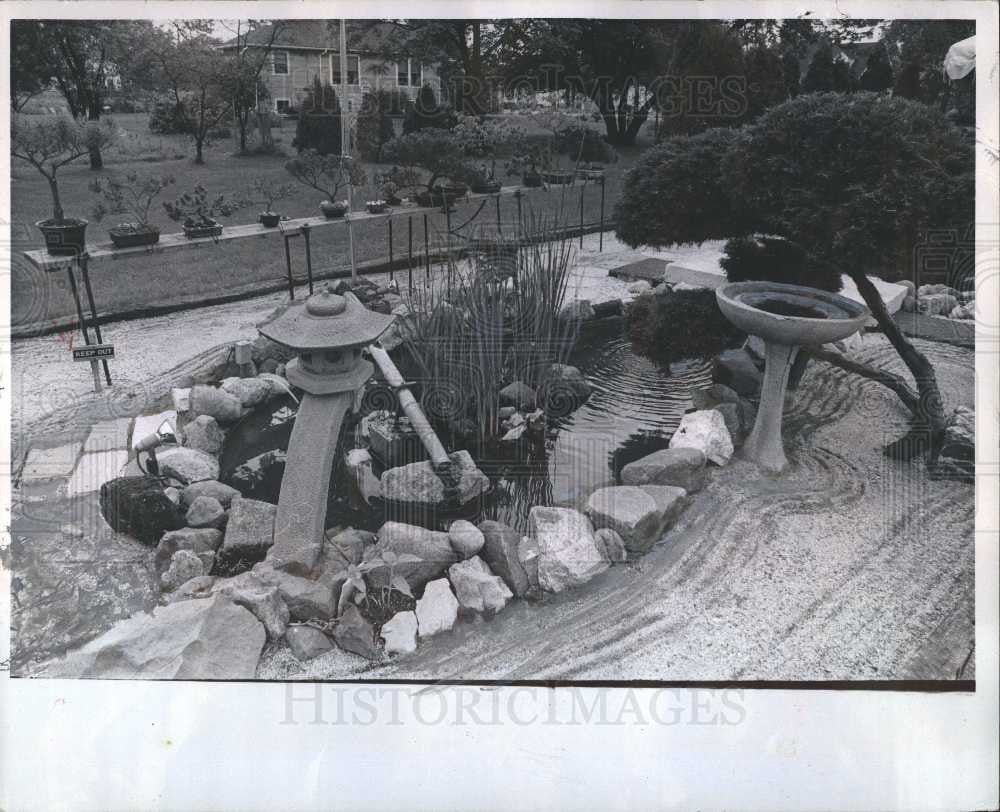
634,409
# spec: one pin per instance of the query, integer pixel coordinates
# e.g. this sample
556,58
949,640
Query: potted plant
48,145
483,180
377,206
264,192
197,213
441,154
133,195
527,164
327,174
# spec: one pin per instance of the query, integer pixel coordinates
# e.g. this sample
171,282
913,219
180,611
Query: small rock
307,642
466,539
681,467
249,535
184,566
268,365
736,369
306,598
519,395
217,403
611,545
205,512
437,610
71,531
203,433
209,487
202,543
348,546
499,551
563,389
577,310
567,552
957,457
400,633
506,412
249,391
139,507
937,304
528,555
181,399
188,465
714,395
639,514
198,587
434,549
173,494
262,599
417,482
733,417
705,431
355,634
477,588
639,287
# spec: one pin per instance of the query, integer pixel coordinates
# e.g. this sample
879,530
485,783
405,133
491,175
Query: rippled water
634,409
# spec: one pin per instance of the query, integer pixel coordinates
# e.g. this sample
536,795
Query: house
304,49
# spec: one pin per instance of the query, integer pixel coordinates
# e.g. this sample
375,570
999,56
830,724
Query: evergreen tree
878,75
819,77
792,72
319,121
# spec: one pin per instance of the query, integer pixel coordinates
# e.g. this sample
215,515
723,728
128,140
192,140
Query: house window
353,70
282,106
280,62
403,73
415,74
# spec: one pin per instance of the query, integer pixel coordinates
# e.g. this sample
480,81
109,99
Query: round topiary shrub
772,259
679,325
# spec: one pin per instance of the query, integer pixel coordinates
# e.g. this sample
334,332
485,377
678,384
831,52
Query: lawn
193,276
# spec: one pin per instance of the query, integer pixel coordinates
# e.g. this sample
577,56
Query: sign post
94,353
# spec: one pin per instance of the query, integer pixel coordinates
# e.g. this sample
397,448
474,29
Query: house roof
363,36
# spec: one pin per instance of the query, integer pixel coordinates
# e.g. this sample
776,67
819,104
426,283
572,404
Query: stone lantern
328,333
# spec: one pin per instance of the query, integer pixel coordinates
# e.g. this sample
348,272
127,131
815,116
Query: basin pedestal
328,332
786,317
764,445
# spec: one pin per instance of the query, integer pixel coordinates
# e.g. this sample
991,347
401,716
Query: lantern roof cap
326,321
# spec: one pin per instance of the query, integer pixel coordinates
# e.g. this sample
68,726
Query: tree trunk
929,419
96,160
198,157
57,209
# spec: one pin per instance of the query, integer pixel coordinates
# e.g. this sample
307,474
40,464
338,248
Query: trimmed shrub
319,121
581,143
679,325
772,259
426,113
170,118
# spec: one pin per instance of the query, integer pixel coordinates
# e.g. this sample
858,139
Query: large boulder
432,548
138,507
957,458
306,598
348,546
190,639
205,511
204,434
706,432
188,465
249,391
399,633
577,310
937,304
217,403
736,369
568,555
249,535
680,467
437,609
477,588
499,551
611,545
639,514
208,487
417,483
262,599
184,566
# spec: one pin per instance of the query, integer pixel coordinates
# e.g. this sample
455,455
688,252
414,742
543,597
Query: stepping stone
649,269
51,463
93,470
108,435
148,423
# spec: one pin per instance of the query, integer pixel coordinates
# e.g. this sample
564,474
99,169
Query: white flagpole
345,132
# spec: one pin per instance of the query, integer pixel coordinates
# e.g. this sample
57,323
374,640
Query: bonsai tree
440,153
265,192
326,173
129,194
196,210
50,144
582,144
854,181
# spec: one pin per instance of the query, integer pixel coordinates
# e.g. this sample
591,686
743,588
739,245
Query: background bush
375,121
318,127
772,259
170,118
679,325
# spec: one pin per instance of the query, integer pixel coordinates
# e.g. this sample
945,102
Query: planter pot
64,239
380,209
333,211
207,230
133,238
531,181
269,219
392,200
559,177
489,188
452,190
